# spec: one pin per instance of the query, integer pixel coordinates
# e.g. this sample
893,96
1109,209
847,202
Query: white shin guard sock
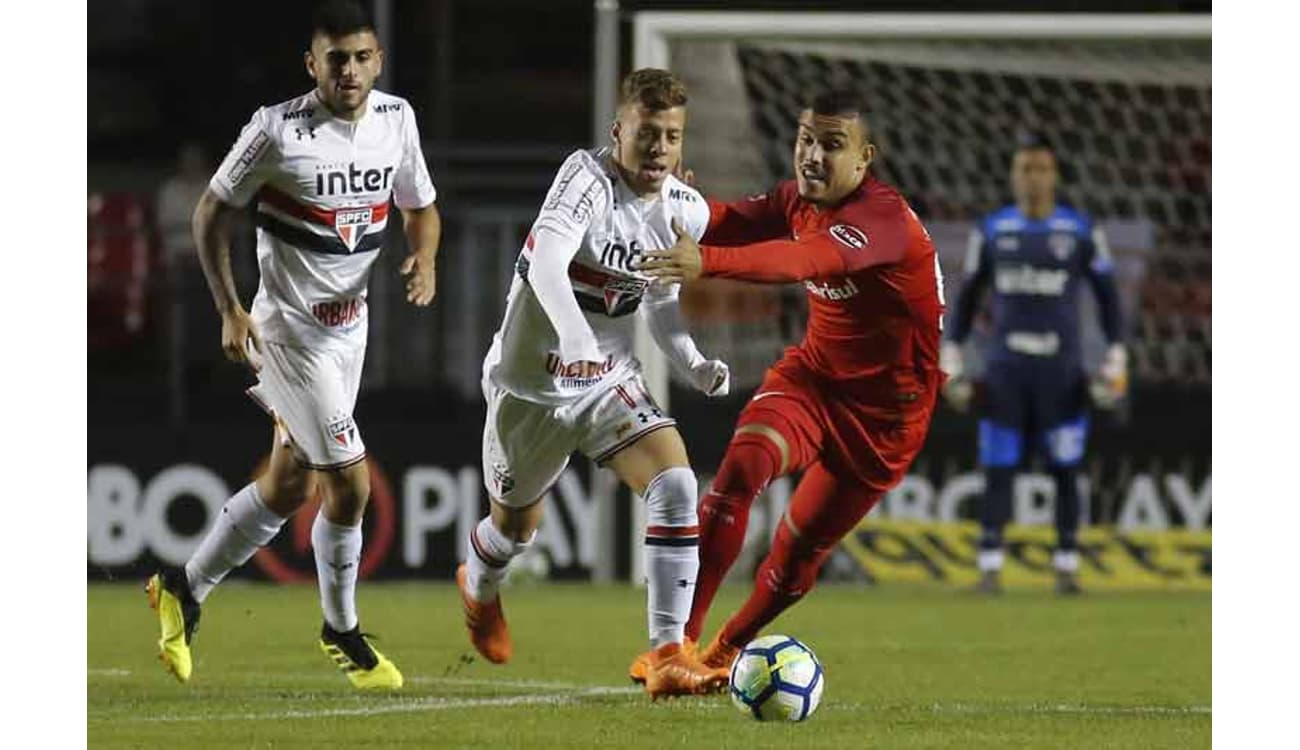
672,558
490,553
338,555
244,525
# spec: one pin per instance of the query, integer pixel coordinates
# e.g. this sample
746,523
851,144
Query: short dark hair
656,89
840,101
335,18
1033,140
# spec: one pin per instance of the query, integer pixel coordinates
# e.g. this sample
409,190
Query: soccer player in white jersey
561,376
321,168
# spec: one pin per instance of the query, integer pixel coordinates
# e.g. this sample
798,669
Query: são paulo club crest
1062,245
351,224
343,431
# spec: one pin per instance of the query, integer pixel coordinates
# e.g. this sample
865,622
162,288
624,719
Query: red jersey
874,286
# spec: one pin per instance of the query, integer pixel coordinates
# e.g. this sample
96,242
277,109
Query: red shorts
869,431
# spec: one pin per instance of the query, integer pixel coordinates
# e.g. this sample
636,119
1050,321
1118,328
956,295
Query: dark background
502,90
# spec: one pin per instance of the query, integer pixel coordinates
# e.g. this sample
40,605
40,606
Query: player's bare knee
518,524
346,492
671,498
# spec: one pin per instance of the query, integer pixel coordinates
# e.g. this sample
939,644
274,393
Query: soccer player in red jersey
851,404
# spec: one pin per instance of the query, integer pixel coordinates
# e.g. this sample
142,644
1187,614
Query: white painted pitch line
108,672
415,706
335,678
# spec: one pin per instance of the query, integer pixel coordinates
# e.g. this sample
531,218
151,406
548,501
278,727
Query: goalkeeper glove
958,390
1110,384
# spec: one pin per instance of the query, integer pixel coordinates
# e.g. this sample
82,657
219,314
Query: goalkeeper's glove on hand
958,390
1110,384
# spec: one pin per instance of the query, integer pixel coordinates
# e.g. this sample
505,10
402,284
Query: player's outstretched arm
211,227
663,316
423,227
774,261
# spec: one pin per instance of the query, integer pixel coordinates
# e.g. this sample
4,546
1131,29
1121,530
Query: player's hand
681,262
1111,382
682,173
421,282
240,340
712,377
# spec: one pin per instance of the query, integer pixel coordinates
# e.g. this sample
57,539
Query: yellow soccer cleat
178,616
351,652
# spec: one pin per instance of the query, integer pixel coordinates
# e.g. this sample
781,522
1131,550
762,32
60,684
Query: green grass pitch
906,667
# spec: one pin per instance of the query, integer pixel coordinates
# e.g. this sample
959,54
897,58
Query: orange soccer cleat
486,623
718,654
672,671
641,664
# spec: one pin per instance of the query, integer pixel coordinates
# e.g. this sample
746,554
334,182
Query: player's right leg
250,519
778,432
525,448
1001,450
826,505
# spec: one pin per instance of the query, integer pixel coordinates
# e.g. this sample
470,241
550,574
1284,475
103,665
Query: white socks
338,555
1066,560
989,560
490,553
672,552
245,523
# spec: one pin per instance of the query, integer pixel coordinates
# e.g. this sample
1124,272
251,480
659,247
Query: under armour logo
310,131
341,568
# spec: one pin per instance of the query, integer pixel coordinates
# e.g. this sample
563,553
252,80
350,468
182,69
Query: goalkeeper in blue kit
1035,392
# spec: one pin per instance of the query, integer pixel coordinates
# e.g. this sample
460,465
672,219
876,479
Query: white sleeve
413,187
576,196
663,316
697,214
247,166
548,275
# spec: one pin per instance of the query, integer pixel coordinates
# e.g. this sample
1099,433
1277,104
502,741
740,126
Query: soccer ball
777,677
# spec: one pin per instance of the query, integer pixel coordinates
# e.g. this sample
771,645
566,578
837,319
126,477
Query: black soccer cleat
1067,583
352,653
990,583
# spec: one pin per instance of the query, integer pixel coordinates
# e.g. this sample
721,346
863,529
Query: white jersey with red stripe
322,186
590,206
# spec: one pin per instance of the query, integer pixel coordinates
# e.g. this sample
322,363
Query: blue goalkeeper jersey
1035,267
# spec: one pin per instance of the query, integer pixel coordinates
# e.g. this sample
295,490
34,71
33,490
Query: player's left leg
1065,450
653,463
1060,398
336,541
826,505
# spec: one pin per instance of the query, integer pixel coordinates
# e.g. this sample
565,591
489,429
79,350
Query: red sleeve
840,249
761,217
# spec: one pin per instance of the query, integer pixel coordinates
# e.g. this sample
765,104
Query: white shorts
527,445
312,392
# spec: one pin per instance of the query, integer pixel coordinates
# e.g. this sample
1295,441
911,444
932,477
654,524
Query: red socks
751,462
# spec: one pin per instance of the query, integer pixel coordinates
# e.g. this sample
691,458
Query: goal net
1126,100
